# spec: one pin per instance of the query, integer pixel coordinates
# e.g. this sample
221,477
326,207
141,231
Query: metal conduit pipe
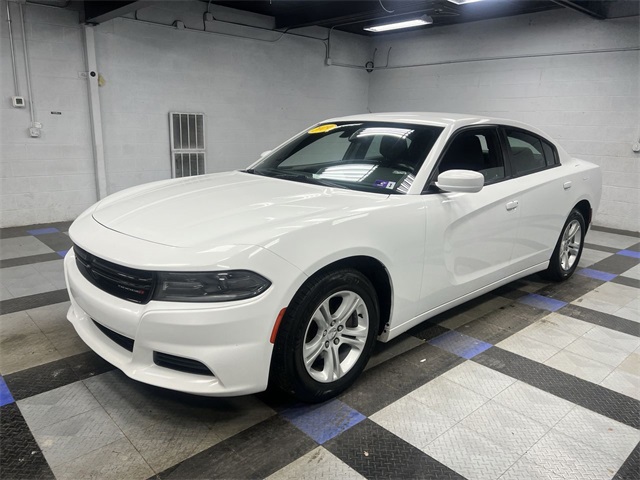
13,54
282,33
488,59
26,67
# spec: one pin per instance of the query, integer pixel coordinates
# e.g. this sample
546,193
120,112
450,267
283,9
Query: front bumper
231,339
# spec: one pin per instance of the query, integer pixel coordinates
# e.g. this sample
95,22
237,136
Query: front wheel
566,255
326,336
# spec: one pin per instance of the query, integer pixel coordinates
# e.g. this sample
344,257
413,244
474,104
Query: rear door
470,236
544,197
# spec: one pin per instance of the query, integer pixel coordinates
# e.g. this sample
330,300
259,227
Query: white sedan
354,230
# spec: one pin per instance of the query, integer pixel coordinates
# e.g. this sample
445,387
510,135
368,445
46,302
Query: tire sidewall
555,267
303,384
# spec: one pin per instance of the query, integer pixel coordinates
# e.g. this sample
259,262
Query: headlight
209,286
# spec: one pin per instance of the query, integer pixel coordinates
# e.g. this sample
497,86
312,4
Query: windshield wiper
296,177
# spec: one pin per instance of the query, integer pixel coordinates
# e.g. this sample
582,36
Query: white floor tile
448,398
579,366
599,432
318,464
480,379
413,421
471,454
534,403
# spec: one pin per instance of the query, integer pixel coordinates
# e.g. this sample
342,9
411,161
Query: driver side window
477,150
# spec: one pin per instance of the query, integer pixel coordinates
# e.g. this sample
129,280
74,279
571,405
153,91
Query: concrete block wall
257,94
254,94
48,178
590,102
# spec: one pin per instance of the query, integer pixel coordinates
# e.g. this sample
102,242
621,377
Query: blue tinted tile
460,344
5,395
43,231
597,274
629,253
62,253
323,422
542,302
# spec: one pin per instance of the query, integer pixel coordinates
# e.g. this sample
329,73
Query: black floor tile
88,364
603,319
630,469
368,395
33,301
20,455
629,282
428,330
569,290
256,452
56,241
485,331
16,262
601,248
513,317
26,383
617,231
385,383
377,453
511,291
616,264
601,400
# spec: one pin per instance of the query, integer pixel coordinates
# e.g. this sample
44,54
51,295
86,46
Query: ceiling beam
100,11
592,8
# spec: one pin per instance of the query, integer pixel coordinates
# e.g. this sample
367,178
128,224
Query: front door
470,236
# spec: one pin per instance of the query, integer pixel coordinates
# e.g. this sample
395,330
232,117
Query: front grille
123,282
124,342
181,364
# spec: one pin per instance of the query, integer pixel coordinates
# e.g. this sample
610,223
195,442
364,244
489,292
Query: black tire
561,268
288,370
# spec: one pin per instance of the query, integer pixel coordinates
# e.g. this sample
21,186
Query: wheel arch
376,273
584,207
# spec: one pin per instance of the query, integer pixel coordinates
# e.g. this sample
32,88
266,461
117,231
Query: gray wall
254,94
590,103
48,178
257,94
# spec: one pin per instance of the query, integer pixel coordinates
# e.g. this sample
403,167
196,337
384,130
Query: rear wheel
326,336
566,255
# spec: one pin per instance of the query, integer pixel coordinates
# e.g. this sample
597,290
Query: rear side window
526,152
550,154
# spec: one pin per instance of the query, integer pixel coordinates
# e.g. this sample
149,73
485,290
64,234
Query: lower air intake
181,364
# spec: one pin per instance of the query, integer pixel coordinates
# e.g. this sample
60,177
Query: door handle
512,205
566,185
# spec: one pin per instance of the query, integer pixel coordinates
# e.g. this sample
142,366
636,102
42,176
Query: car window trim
429,186
507,151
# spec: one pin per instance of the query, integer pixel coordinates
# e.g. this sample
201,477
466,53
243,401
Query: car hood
227,208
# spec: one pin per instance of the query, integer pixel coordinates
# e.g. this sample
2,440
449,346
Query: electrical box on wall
18,102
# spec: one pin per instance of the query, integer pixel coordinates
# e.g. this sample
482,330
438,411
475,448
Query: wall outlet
18,102
34,132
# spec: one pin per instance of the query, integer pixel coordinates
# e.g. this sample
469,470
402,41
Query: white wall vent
188,156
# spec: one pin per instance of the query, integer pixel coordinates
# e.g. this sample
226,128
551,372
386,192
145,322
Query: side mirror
460,181
265,153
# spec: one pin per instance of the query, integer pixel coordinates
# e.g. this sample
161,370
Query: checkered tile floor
535,380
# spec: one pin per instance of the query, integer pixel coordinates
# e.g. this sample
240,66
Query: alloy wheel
335,336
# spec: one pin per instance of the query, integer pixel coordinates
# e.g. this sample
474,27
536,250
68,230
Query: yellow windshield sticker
323,128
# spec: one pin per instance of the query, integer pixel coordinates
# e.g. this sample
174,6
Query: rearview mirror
460,181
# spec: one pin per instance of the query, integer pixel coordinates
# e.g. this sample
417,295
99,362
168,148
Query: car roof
439,119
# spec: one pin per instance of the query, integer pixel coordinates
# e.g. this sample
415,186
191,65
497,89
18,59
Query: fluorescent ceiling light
462,2
416,22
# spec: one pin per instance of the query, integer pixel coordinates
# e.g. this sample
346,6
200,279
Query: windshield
378,157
